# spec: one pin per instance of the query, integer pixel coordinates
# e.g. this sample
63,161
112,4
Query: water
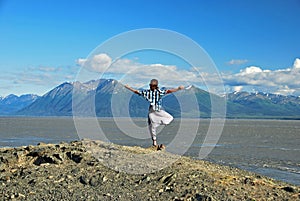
267,147
30,131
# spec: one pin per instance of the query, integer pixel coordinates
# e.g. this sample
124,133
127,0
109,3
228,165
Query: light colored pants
156,118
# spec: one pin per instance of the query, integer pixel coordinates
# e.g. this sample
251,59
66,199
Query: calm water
268,147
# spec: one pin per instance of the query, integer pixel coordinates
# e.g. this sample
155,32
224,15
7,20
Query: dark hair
154,80
154,85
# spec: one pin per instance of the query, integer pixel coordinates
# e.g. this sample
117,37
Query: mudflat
95,170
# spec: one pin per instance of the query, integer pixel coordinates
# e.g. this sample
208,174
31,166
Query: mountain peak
11,96
12,103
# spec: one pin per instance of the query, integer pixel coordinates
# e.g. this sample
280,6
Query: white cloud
250,70
98,63
40,79
296,63
81,61
284,81
285,90
137,73
237,61
237,88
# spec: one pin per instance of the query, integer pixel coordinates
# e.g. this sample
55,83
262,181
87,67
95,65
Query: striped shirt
154,97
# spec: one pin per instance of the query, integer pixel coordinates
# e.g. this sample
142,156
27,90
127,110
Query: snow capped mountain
261,104
11,98
274,98
98,97
13,103
61,100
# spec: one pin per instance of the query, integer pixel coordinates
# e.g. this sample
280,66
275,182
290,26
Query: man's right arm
131,89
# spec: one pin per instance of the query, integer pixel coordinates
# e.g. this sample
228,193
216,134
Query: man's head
153,84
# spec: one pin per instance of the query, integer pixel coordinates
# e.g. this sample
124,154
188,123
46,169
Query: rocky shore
94,170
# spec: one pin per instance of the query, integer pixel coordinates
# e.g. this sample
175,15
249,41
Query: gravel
94,170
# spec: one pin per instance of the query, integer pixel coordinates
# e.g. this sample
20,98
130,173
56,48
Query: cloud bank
41,79
283,81
138,74
36,80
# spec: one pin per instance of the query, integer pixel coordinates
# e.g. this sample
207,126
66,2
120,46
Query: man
156,115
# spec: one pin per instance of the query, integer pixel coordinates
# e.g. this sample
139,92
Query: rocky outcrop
72,171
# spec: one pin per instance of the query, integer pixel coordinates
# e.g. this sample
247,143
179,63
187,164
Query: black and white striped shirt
154,97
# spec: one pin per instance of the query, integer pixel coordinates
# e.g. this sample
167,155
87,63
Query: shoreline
71,171
280,118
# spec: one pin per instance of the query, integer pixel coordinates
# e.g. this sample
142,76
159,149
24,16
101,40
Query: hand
181,87
127,86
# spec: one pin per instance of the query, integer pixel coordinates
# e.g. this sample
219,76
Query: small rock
58,156
60,180
167,188
28,148
34,153
203,197
44,159
21,195
146,178
75,171
94,181
248,180
168,178
289,189
13,170
69,177
161,190
92,163
83,180
74,156
107,194
32,181
7,178
104,179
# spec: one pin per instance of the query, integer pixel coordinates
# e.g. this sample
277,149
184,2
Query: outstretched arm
175,89
131,89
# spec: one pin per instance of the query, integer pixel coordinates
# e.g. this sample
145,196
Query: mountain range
12,103
108,97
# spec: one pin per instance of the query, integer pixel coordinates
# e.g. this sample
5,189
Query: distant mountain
12,103
260,104
58,101
108,97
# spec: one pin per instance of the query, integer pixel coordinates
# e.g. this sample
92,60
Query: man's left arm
175,89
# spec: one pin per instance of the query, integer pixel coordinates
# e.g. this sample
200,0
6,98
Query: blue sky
254,44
